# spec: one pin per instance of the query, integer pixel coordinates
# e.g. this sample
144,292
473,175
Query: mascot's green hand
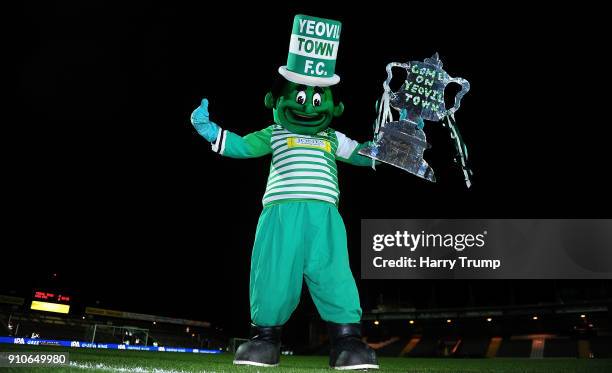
201,122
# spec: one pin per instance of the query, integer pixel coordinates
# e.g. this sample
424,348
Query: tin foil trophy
402,142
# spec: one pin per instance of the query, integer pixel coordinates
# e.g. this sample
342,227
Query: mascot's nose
309,108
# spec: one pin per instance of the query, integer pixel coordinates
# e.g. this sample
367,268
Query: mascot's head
303,109
303,102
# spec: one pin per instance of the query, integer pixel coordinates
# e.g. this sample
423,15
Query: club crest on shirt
306,142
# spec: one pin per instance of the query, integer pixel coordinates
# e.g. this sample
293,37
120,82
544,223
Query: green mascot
300,234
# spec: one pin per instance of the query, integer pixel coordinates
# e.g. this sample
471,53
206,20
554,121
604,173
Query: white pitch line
110,368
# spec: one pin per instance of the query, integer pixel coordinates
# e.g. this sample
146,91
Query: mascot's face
302,109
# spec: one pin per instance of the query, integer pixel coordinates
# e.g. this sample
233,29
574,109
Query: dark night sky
107,184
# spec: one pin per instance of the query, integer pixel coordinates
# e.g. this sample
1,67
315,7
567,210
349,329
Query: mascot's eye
316,99
301,97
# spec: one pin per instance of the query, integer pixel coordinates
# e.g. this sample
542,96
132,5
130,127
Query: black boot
263,349
347,351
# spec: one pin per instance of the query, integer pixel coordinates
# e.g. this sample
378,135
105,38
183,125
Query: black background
108,186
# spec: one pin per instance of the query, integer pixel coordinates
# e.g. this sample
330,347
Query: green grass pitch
86,360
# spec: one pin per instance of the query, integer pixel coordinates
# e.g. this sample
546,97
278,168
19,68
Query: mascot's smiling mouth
308,120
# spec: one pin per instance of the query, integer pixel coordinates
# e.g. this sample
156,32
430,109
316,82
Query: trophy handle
389,68
465,87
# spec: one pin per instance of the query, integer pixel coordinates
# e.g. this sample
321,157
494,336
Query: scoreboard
50,301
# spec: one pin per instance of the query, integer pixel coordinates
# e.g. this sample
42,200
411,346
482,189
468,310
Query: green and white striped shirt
303,166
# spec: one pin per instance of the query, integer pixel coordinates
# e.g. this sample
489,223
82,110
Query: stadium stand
473,347
107,330
427,346
391,347
493,347
410,345
515,348
572,329
561,347
556,329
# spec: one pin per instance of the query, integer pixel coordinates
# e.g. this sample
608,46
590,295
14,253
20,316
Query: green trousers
296,241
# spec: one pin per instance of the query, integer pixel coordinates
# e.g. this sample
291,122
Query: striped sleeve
256,144
348,151
346,146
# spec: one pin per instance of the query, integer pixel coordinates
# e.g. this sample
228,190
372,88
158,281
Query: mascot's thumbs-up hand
201,122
